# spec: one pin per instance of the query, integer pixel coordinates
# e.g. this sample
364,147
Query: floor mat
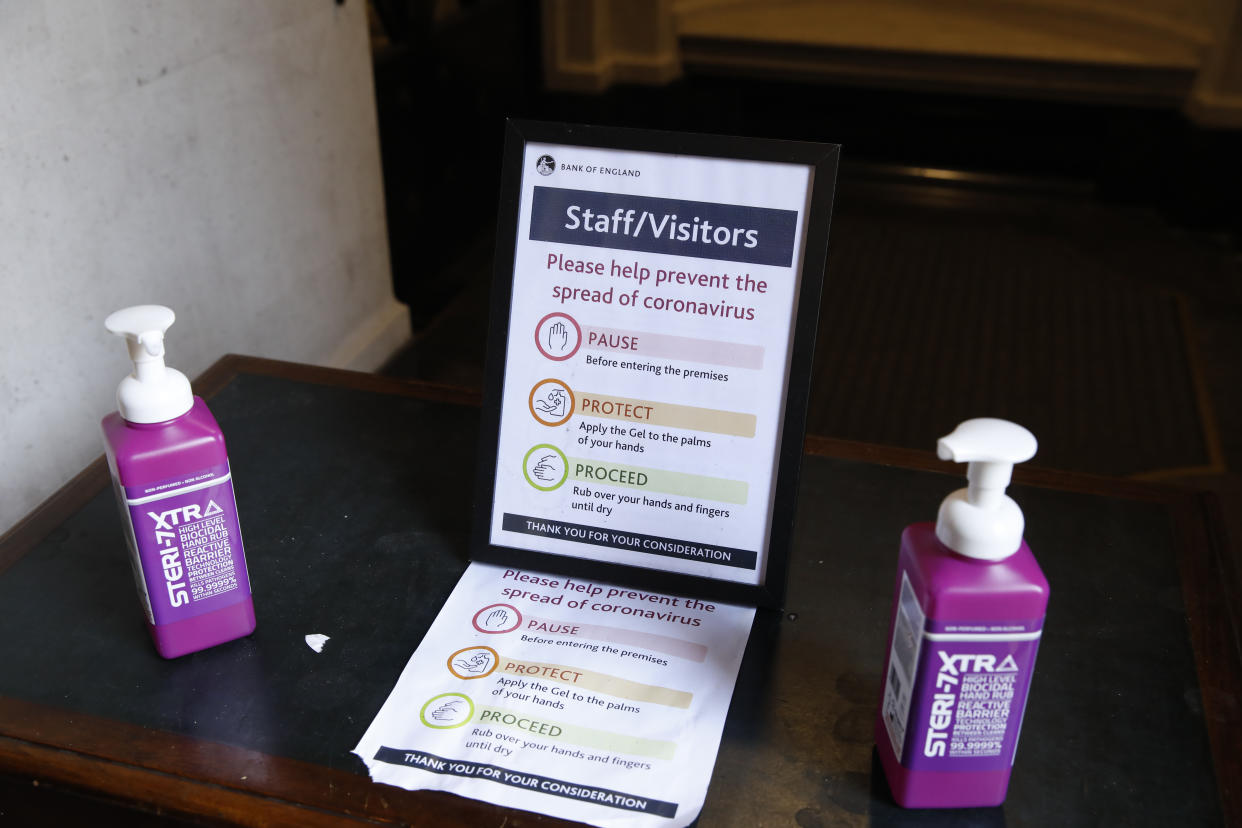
932,317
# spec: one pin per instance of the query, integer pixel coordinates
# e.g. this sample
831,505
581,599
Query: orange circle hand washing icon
551,402
473,662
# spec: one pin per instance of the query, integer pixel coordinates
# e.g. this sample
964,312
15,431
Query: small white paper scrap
316,641
566,697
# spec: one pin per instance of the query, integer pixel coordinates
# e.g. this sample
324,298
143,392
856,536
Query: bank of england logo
546,165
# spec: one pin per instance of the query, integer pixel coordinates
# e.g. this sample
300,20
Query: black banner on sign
620,539
733,233
543,784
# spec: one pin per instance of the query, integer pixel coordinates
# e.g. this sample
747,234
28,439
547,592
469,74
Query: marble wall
218,157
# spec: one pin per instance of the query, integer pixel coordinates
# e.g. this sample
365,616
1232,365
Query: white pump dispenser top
981,521
153,393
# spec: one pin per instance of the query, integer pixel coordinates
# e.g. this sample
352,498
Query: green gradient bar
658,480
536,727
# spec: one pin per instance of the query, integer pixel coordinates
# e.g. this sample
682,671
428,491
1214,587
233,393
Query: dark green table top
354,496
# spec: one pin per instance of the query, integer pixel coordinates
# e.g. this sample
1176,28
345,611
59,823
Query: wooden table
354,497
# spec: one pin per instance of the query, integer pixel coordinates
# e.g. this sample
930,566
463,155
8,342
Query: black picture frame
823,160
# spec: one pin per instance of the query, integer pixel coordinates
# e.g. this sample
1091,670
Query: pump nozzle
152,342
153,393
980,521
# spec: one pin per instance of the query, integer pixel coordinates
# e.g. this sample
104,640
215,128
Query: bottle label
955,692
186,542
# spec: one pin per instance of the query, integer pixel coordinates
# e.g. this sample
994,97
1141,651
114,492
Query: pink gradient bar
648,641
708,351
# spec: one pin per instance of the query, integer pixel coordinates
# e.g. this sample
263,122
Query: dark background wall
446,84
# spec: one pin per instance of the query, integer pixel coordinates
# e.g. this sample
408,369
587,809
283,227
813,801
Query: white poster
650,328
564,696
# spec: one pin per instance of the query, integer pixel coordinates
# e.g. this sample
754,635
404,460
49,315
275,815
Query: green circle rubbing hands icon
545,467
447,710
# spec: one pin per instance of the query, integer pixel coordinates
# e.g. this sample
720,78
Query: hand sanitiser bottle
172,482
967,615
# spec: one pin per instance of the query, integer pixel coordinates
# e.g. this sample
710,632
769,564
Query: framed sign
653,317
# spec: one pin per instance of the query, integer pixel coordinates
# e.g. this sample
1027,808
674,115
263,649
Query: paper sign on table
567,697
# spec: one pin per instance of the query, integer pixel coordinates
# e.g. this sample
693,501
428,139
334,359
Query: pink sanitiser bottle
968,611
171,476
